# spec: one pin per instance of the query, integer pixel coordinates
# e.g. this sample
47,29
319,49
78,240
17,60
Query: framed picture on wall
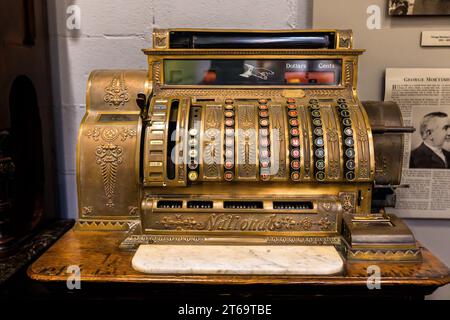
419,7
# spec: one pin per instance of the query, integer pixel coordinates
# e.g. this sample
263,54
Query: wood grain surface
100,260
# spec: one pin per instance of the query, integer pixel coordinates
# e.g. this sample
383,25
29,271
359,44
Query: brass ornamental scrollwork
109,156
116,94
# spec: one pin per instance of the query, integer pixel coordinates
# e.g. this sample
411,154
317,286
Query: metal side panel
108,152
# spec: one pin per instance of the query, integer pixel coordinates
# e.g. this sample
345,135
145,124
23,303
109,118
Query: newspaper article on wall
424,99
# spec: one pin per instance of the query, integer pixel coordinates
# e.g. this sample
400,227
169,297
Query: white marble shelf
237,260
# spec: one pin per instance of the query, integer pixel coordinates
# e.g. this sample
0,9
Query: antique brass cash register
240,137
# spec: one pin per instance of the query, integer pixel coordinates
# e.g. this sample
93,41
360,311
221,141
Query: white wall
112,34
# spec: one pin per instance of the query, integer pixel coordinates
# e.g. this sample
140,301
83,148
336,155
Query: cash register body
243,137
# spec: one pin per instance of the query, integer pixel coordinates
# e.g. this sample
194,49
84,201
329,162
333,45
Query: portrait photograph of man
432,152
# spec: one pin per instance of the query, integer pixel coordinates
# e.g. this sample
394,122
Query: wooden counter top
100,260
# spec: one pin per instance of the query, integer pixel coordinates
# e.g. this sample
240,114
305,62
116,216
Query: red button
264,176
263,113
293,113
229,165
264,164
291,100
295,142
263,107
295,176
295,153
295,164
229,176
295,132
264,122
292,106
293,122
229,122
263,101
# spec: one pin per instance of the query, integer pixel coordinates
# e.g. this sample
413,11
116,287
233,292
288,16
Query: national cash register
243,138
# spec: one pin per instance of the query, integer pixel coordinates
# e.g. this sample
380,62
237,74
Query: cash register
242,145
